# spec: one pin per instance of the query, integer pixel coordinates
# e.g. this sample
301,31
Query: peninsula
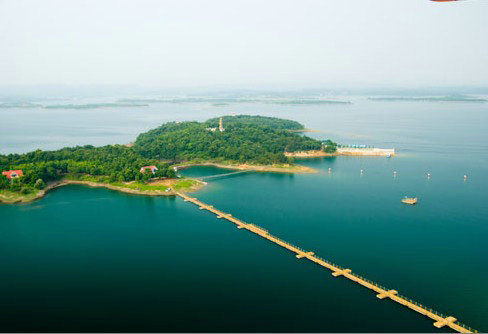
148,167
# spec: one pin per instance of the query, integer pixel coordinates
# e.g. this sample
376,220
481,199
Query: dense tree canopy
329,146
253,139
248,120
250,139
117,162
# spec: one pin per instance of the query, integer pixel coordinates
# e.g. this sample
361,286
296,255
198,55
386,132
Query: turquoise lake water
84,259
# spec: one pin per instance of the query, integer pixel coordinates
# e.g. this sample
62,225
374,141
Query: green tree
39,184
147,176
4,182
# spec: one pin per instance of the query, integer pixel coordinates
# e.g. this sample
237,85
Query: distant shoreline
429,99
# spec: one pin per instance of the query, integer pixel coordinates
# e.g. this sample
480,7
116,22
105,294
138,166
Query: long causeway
440,320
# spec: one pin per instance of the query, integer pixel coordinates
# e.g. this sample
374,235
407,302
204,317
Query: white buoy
330,170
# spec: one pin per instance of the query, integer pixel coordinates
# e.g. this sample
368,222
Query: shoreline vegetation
304,130
246,143
156,187
275,168
149,165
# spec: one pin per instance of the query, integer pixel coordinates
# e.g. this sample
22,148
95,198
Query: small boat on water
409,200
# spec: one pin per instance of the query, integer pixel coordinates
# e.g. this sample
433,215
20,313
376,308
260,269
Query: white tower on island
221,125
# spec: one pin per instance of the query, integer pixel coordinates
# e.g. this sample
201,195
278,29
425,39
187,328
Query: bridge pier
389,293
336,271
299,256
341,272
444,322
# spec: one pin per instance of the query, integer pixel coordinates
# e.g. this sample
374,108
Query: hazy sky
194,43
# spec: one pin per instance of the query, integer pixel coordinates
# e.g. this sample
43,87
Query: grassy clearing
14,196
176,184
185,184
138,186
135,185
157,187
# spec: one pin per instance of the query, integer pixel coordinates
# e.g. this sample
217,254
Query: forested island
245,139
257,142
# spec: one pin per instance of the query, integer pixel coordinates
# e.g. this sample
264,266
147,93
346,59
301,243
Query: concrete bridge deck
382,292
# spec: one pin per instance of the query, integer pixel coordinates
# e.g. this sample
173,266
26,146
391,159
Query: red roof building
152,168
13,174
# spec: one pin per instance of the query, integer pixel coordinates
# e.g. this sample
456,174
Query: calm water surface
86,259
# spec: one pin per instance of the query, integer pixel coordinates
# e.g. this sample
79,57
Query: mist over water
86,259
408,126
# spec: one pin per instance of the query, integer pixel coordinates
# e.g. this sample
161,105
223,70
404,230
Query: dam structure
440,320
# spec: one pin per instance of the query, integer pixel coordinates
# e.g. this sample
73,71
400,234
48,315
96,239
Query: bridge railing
222,175
466,327
329,263
438,313
409,300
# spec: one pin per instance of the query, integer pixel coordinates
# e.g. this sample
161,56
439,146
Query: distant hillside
252,139
449,98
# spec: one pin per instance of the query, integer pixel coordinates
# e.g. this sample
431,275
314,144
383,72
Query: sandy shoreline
309,154
286,168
